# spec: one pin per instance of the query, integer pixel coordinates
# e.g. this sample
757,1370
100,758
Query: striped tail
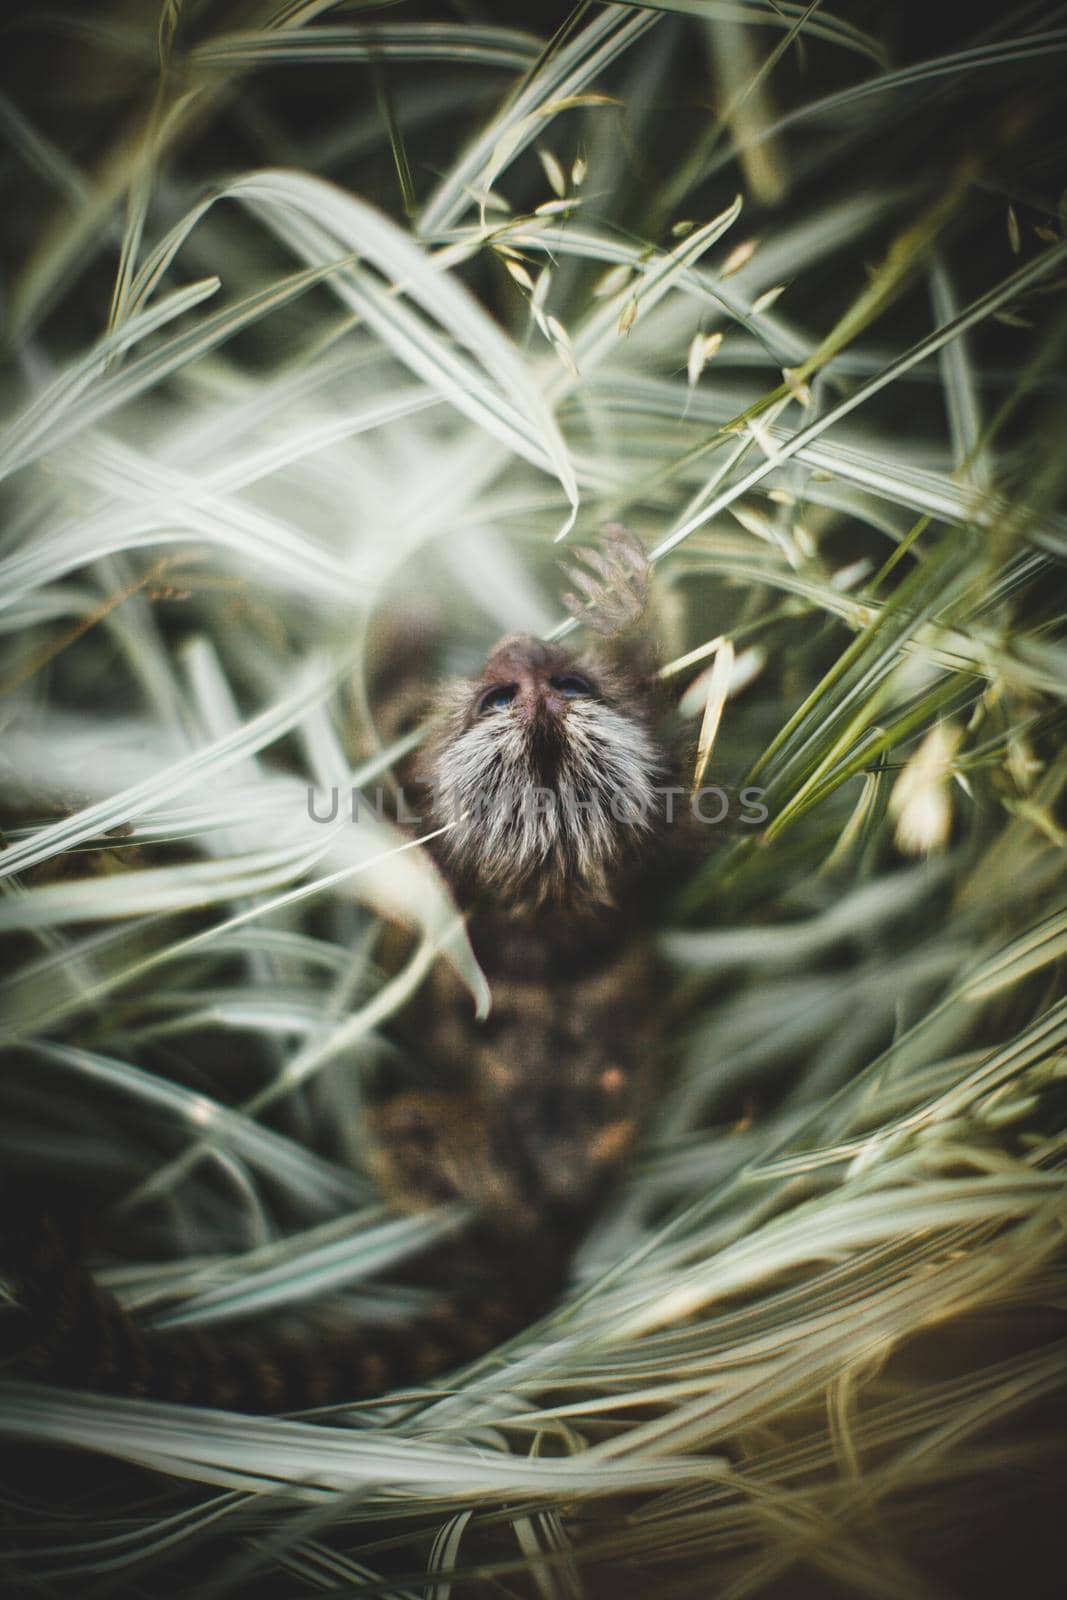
70,1331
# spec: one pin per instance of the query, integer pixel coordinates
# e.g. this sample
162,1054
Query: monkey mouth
545,750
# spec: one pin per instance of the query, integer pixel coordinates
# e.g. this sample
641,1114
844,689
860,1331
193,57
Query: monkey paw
614,590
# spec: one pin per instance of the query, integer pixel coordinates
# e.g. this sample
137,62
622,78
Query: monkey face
546,775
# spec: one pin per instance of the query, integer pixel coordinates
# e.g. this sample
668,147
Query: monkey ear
614,582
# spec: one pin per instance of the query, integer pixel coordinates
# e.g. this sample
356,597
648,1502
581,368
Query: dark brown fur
532,1112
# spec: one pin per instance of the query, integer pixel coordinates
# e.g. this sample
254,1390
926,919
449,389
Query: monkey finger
592,590
627,545
607,568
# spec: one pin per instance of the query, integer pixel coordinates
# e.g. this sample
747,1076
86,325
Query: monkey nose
540,703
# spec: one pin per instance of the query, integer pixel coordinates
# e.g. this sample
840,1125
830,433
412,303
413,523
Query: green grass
320,313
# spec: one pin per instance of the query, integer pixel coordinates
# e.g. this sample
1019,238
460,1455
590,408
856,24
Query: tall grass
321,315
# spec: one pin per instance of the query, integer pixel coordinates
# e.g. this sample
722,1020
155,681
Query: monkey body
531,1110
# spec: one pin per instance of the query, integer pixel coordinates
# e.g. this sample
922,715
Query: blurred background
327,327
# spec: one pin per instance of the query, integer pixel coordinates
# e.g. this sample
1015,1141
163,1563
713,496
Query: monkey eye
494,699
572,684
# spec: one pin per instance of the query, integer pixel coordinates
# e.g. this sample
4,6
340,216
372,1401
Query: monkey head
547,775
